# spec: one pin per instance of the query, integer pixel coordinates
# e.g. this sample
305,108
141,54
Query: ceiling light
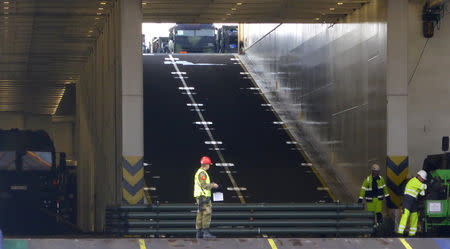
98,13
331,9
238,4
317,19
228,14
340,3
144,3
6,7
100,8
103,3
97,18
6,2
91,31
233,9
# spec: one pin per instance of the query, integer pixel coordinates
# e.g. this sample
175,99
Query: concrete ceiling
44,43
248,11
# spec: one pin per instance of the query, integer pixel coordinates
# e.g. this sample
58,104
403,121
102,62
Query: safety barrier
290,219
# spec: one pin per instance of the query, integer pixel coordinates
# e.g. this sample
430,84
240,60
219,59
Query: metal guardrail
242,219
249,206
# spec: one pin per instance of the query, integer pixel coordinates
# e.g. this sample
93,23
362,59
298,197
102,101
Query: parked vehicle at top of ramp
195,38
227,39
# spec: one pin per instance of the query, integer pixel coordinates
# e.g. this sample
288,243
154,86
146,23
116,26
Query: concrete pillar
132,144
397,95
241,27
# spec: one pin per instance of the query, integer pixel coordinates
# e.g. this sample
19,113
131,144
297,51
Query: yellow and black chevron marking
397,171
133,180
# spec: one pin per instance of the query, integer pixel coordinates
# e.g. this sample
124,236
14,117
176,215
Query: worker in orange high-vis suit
202,194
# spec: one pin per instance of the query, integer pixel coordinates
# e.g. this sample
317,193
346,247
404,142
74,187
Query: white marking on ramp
211,137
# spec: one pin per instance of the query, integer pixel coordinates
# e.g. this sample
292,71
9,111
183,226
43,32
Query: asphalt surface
267,166
27,218
241,243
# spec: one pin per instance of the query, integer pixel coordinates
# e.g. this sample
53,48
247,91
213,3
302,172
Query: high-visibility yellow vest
415,187
198,191
368,193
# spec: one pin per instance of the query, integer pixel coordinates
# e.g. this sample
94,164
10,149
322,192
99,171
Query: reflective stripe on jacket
414,187
368,193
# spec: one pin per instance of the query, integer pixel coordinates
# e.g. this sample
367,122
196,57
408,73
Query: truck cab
29,182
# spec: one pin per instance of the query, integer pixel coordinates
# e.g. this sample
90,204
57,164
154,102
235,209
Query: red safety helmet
205,160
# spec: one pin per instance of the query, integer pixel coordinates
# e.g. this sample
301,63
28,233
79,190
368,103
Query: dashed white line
190,104
211,137
204,123
225,164
213,142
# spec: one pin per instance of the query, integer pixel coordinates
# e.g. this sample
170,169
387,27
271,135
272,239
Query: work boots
207,234
199,234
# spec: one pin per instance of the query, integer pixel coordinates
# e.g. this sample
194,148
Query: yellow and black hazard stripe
133,180
397,171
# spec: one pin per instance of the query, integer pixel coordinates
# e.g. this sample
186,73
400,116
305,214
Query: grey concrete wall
328,83
63,135
428,88
21,120
11,120
97,132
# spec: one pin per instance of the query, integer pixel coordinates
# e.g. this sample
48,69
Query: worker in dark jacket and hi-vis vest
413,188
202,194
374,191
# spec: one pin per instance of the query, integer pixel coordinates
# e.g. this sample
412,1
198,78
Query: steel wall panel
328,83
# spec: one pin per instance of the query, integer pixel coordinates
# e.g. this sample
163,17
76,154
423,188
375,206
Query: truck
30,183
193,38
227,39
160,45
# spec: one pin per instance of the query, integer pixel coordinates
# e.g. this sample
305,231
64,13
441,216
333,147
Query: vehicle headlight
434,207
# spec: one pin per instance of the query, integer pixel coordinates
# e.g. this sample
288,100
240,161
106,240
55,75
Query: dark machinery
30,182
437,203
431,16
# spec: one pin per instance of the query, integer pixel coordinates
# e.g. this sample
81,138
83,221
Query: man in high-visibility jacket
413,188
374,190
202,194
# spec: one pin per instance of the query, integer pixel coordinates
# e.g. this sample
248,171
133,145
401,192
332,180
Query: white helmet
423,174
376,167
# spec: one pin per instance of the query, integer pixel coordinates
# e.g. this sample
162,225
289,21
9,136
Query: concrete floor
242,243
